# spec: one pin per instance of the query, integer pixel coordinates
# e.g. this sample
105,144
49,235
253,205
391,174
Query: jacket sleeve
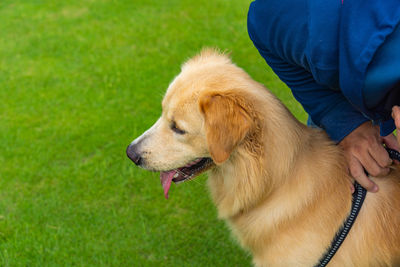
328,108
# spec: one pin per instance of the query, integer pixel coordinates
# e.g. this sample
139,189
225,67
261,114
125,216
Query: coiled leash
393,154
358,199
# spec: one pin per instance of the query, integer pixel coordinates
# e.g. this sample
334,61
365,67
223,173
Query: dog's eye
176,129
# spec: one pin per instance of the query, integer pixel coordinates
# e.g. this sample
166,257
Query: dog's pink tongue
166,179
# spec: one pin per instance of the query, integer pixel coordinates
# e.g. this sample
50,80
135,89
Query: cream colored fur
282,187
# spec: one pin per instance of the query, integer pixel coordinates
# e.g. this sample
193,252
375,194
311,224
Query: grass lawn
79,80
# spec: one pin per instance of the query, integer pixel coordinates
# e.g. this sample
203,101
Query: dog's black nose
133,155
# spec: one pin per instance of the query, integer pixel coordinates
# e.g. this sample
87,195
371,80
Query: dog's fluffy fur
282,187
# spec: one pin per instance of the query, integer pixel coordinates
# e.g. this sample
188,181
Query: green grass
79,80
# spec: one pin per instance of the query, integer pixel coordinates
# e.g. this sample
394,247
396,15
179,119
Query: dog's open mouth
185,173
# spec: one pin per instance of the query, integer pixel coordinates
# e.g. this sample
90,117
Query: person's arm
359,139
327,108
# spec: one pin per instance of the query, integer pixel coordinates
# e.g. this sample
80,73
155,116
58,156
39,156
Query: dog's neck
251,173
256,172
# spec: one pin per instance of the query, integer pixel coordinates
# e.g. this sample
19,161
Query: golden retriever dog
282,187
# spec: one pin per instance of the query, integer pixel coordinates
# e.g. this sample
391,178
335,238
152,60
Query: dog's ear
226,124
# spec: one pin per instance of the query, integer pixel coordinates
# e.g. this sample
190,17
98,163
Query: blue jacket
321,50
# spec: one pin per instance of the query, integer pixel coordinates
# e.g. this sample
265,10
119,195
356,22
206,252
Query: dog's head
202,123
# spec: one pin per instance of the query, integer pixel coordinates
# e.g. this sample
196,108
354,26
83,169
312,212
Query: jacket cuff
341,121
387,127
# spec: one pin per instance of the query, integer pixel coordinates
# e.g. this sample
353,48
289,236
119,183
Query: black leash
393,154
358,199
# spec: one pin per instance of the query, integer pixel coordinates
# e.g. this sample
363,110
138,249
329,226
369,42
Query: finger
391,142
357,171
379,154
369,163
373,168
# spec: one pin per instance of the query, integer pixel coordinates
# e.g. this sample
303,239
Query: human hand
363,149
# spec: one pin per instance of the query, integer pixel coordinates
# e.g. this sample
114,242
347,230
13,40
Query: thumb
396,118
391,142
